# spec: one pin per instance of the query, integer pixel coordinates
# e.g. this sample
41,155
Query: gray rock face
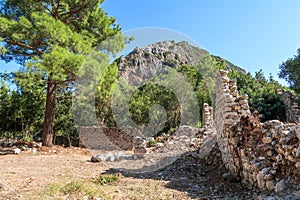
143,63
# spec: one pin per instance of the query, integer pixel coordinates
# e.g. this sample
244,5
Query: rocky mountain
143,63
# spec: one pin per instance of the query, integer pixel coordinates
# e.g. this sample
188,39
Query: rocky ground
28,174
207,179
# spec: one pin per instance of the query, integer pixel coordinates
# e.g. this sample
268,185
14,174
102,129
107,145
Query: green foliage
107,178
208,67
72,187
104,93
262,94
64,121
172,130
51,189
290,71
22,104
198,84
151,143
143,98
53,38
147,96
225,64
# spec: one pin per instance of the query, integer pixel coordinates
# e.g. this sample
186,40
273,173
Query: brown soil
26,175
23,174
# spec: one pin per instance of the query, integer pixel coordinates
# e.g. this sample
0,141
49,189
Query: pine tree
54,37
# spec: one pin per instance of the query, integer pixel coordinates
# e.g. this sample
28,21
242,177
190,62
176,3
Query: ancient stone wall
229,108
260,154
105,138
292,107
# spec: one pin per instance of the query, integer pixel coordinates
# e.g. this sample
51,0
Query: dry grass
71,176
117,187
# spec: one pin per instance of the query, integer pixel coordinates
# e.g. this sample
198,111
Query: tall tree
290,71
53,36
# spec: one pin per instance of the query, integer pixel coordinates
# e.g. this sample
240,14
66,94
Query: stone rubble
139,145
185,139
17,147
107,138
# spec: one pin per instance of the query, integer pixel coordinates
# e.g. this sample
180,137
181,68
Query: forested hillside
23,93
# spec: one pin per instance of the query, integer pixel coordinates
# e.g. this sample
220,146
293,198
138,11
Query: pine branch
73,11
24,45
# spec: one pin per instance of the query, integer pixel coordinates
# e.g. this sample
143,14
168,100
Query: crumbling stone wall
107,138
229,108
260,154
292,107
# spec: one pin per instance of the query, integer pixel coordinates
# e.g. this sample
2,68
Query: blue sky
253,34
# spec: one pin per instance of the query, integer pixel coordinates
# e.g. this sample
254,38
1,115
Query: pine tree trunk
49,115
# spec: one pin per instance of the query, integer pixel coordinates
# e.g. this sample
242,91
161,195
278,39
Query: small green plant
172,130
107,178
52,189
73,187
199,124
151,143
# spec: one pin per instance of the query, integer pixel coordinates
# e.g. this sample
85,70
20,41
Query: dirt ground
27,175
23,174
66,173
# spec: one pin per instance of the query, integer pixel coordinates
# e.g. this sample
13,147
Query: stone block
297,130
267,140
260,181
243,101
140,150
297,154
270,185
280,186
245,106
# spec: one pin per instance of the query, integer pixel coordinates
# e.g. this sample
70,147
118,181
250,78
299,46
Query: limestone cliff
143,63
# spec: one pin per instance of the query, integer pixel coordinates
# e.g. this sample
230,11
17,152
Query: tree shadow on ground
201,178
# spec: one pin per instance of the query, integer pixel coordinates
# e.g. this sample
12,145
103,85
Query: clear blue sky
253,34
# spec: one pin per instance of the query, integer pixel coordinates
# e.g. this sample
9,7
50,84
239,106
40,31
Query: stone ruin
292,106
262,155
207,116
